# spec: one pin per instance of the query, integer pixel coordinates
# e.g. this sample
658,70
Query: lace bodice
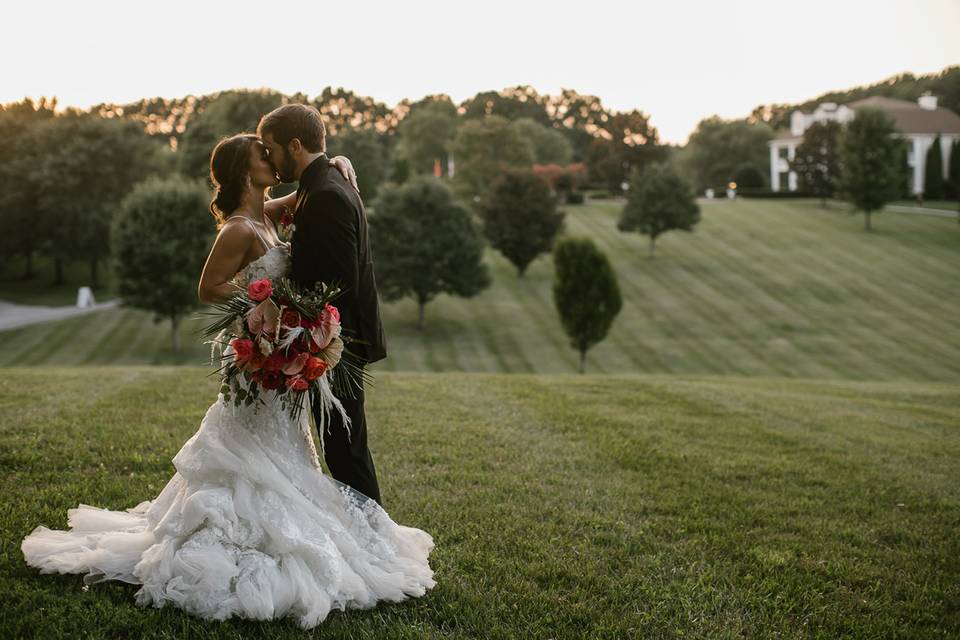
275,263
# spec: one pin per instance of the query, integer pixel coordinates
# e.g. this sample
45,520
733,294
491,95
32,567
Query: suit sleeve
329,227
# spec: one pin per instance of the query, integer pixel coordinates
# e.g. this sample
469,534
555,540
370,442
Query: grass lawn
946,205
561,506
767,288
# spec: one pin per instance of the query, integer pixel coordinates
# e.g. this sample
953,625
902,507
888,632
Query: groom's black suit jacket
331,245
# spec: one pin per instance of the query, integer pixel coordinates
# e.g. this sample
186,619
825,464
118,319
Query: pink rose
332,311
242,349
260,290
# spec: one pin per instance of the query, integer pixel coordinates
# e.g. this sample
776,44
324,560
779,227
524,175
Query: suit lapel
314,174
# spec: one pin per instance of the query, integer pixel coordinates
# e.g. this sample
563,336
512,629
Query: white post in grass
85,298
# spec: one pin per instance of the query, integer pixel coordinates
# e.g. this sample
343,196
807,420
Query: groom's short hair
298,121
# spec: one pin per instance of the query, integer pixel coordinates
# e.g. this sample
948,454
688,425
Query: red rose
242,349
271,379
314,368
276,361
290,318
297,383
286,218
260,290
256,361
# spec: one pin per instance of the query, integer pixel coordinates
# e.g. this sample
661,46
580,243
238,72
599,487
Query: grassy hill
762,288
561,506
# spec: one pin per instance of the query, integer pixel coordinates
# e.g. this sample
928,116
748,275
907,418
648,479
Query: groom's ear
294,147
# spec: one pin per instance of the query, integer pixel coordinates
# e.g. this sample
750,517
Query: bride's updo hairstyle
229,167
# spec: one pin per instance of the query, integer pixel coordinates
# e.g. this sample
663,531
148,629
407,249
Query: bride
248,526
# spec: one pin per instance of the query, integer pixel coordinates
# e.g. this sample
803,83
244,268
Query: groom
330,245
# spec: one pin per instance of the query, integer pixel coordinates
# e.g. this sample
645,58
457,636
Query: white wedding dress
248,526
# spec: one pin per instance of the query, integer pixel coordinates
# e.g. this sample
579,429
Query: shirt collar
312,170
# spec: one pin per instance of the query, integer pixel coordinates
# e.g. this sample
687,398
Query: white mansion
919,123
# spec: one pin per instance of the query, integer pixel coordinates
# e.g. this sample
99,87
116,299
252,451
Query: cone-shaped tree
586,293
933,172
815,161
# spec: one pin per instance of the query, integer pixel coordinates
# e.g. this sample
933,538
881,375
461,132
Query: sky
679,61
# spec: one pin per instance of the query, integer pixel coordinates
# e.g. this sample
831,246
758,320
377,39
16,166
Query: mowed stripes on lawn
761,288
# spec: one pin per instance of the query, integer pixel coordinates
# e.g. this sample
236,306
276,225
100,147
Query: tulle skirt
248,526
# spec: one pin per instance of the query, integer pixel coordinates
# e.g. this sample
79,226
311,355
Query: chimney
928,102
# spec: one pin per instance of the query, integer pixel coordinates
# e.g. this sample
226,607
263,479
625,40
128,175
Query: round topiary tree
585,292
872,162
426,243
520,217
749,177
160,240
659,200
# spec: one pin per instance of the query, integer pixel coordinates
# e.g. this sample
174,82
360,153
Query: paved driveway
18,315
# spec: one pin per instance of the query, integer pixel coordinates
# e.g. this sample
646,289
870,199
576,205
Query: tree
586,293
580,116
342,108
717,147
872,162
747,176
815,160
659,200
626,141
424,136
954,181
513,104
18,218
520,217
933,172
83,166
366,152
951,184
563,180
483,148
426,243
549,145
227,113
160,239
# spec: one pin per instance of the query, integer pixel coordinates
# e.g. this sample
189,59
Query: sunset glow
677,61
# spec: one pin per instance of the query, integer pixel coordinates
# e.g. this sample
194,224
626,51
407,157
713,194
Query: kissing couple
249,525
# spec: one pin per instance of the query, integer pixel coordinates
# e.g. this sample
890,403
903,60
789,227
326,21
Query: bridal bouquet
283,340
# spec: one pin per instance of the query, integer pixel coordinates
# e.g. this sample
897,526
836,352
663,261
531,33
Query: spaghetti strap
266,246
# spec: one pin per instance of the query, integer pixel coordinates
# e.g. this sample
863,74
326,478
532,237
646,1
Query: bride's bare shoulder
235,231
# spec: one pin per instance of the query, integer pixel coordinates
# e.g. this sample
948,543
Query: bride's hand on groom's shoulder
344,166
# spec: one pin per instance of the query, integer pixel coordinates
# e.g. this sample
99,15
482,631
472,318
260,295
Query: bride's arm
274,208
223,263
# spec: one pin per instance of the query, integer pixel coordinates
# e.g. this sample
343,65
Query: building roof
785,135
909,117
